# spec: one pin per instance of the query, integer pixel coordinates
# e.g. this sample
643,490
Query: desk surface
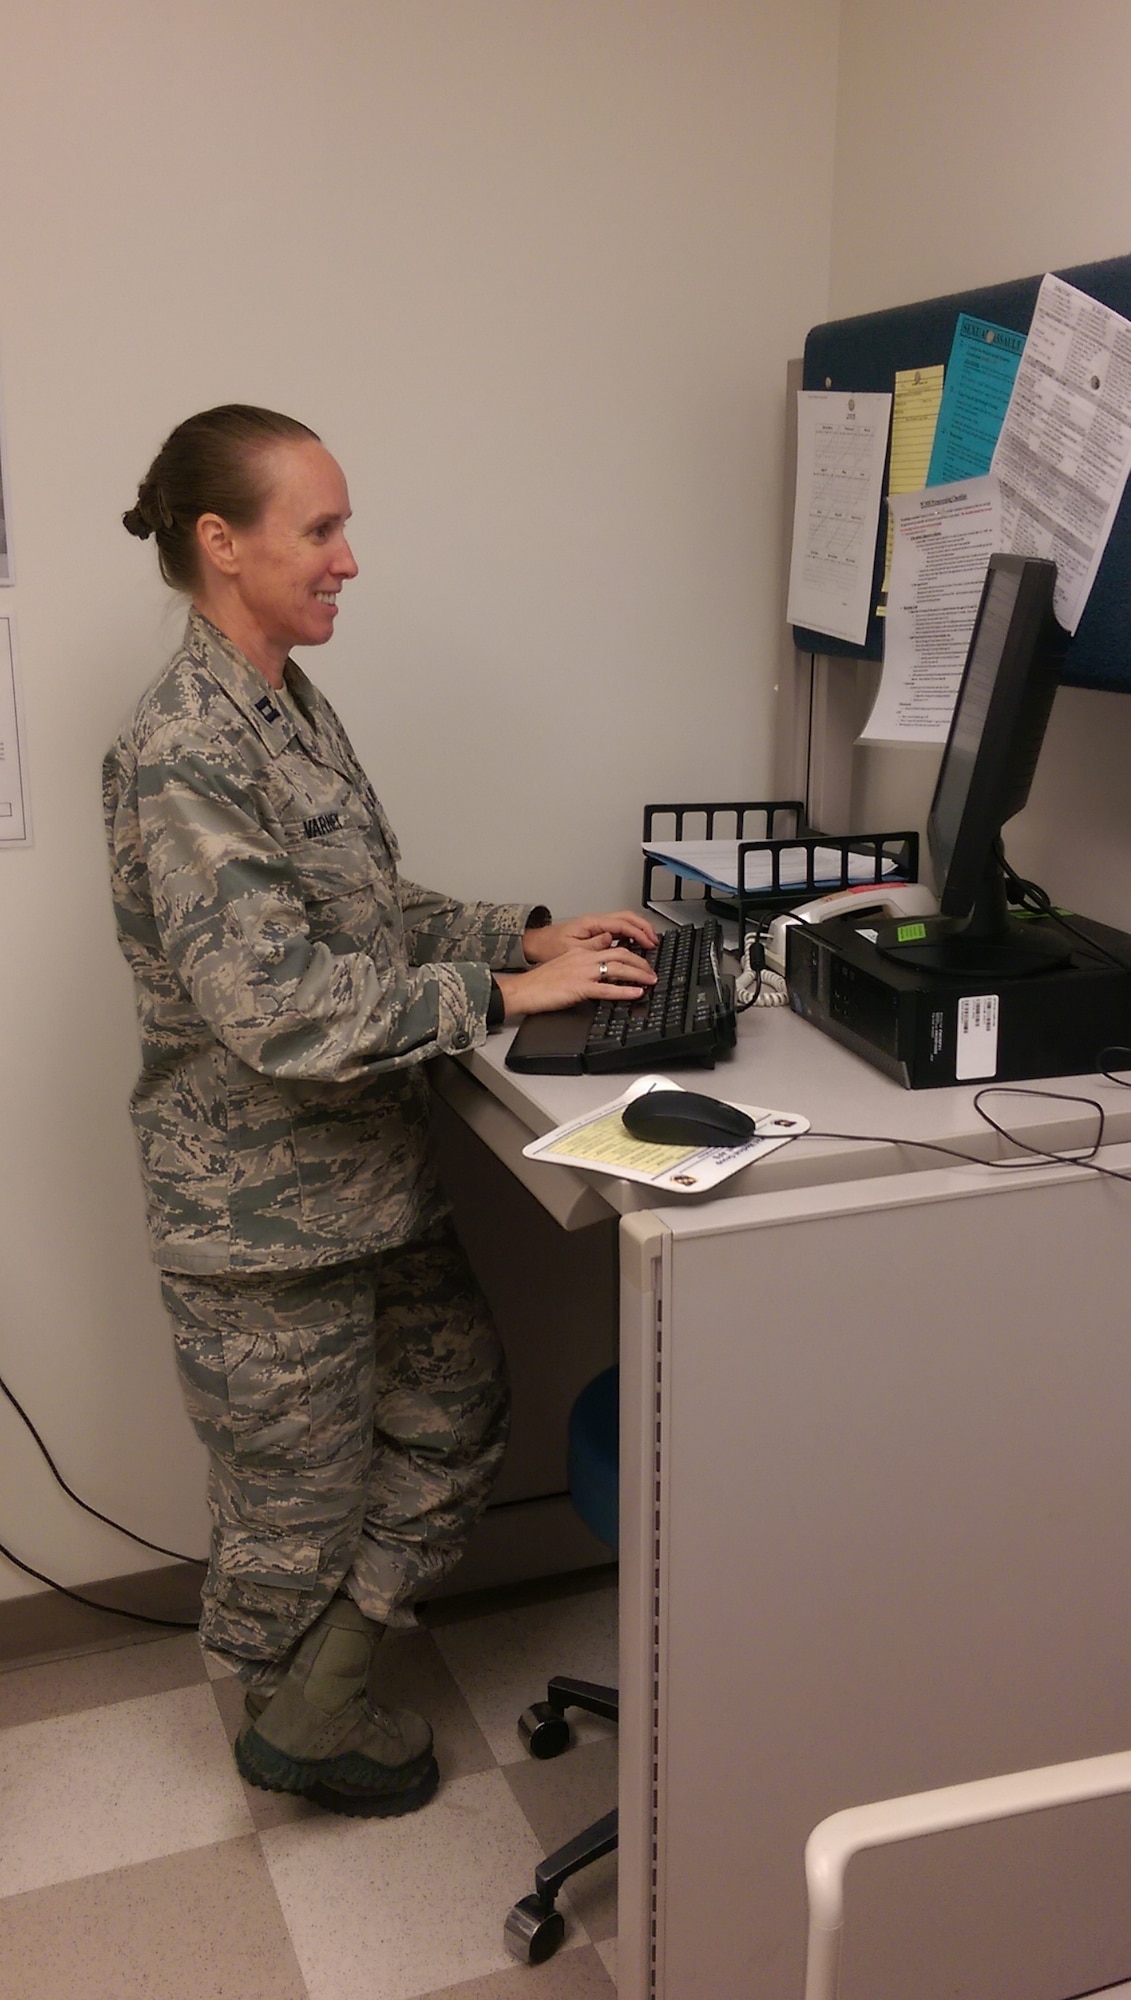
786,1064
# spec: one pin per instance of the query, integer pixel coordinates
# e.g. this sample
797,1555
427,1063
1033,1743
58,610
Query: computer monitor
1011,674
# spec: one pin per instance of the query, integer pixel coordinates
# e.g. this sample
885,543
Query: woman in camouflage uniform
335,1353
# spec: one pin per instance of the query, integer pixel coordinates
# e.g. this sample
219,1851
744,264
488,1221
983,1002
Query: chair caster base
532,1933
544,1732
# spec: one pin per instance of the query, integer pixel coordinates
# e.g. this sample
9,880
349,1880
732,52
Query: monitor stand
989,944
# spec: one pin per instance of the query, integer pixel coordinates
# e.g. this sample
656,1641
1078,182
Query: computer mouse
684,1118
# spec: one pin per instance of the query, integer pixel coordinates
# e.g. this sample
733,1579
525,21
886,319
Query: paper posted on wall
1064,452
918,393
15,828
841,447
944,538
984,359
5,530
599,1143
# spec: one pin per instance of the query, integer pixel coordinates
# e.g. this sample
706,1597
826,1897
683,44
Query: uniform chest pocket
348,892
342,862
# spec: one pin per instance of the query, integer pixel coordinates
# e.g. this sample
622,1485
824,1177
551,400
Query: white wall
976,143
533,268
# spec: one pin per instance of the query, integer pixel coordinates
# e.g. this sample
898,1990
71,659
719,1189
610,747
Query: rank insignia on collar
267,709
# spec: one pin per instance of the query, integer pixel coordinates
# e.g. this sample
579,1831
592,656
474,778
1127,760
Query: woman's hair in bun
152,511
211,464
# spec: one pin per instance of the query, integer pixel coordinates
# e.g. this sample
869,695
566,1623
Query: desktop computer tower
925,1029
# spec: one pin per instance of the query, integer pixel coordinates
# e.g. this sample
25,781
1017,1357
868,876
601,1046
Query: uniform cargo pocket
292,1393
272,1561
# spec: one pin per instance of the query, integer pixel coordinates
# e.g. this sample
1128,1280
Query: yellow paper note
915,412
607,1141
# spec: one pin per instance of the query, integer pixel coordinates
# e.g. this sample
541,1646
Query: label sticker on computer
975,1054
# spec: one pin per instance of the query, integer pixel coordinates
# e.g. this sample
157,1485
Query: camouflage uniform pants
355,1419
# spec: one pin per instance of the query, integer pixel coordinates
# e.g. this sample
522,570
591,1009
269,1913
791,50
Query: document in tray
692,910
599,1143
716,863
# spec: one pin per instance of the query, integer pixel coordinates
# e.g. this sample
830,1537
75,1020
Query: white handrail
832,1844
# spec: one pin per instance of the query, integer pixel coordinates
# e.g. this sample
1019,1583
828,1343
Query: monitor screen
968,723
1011,674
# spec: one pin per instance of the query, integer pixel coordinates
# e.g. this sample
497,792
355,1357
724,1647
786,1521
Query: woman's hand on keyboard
581,972
596,933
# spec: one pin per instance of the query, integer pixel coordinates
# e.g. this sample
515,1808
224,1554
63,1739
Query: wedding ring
603,969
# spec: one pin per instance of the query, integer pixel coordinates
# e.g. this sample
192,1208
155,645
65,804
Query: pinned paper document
918,392
944,538
841,446
15,829
980,374
1065,447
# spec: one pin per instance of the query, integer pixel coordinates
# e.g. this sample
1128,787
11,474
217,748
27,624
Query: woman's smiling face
284,572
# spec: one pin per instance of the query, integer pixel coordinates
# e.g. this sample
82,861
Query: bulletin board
867,352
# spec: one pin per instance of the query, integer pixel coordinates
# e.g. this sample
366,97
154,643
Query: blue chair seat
594,1455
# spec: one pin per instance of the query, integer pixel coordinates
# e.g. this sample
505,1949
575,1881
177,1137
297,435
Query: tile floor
135,1864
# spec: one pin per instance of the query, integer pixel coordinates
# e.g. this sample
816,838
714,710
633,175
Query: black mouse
684,1118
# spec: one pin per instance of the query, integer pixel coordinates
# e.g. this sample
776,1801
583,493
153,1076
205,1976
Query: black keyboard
686,1017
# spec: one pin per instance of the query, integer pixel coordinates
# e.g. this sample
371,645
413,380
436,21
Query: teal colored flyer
979,382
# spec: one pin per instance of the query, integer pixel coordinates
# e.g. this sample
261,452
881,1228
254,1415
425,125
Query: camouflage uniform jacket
289,982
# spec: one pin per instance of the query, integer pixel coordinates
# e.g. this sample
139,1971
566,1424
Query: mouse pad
598,1143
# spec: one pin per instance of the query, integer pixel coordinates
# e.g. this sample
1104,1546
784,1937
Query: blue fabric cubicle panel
865,353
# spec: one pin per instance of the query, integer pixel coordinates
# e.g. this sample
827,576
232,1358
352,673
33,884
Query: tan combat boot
318,1734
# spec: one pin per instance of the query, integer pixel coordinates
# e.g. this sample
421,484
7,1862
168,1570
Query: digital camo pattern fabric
289,981
355,1421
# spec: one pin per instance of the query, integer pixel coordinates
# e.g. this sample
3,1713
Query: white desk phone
897,899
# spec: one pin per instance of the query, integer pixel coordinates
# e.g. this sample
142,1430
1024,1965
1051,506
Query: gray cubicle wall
890,1553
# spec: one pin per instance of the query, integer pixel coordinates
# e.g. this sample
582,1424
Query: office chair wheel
532,1933
544,1732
